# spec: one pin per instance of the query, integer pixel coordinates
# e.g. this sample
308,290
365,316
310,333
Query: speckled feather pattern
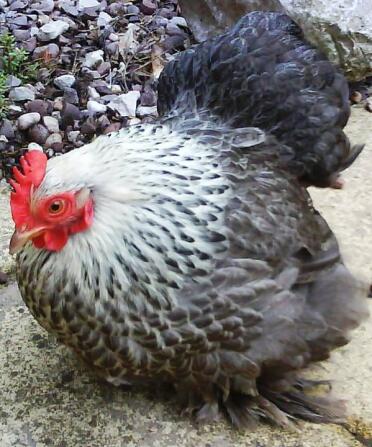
184,276
206,266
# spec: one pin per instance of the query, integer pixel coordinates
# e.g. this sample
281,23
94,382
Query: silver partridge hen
187,252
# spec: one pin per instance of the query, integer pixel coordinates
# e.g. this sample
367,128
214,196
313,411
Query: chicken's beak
20,238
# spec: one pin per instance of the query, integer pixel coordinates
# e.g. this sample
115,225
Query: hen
187,252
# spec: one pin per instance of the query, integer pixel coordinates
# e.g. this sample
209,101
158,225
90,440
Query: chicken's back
263,73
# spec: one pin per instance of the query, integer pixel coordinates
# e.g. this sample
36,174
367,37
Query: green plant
13,61
3,101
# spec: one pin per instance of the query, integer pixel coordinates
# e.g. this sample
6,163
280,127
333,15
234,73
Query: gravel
95,69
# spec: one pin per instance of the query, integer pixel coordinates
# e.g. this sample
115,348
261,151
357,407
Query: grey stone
21,34
18,5
54,138
21,94
103,19
342,30
38,134
178,21
64,82
6,129
44,6
27,120
71,96
46,51
52,30
12,81
51,124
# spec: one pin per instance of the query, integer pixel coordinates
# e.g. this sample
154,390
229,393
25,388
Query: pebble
95,107
21,34
6,129
38,134
70,113
92,93
147,111
3,278
34,147
125,104
54,138
89,127
70,95
21,94
46,52
51,124
27,120
73,136
39,106
93,59
64,82
12,81
44,6
84,4
103,19
179,21
52,30
148,7
175,42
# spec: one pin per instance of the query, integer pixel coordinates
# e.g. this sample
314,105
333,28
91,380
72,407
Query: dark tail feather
352,156
298,404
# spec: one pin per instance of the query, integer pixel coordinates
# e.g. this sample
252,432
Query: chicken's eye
56,207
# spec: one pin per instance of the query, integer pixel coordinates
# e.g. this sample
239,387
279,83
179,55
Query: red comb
33,165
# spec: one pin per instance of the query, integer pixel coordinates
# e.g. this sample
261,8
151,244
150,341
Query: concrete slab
48,399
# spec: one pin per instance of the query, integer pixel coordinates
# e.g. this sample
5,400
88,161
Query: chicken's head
46,220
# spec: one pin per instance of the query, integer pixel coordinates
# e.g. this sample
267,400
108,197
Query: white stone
34,31
95,107
52,139
113,37
73,136
27,120
103,19
83,4
34,147
65,81
178,21
116,88
125,104
93,59
52,30
147,111
92,93
51,124
22,94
